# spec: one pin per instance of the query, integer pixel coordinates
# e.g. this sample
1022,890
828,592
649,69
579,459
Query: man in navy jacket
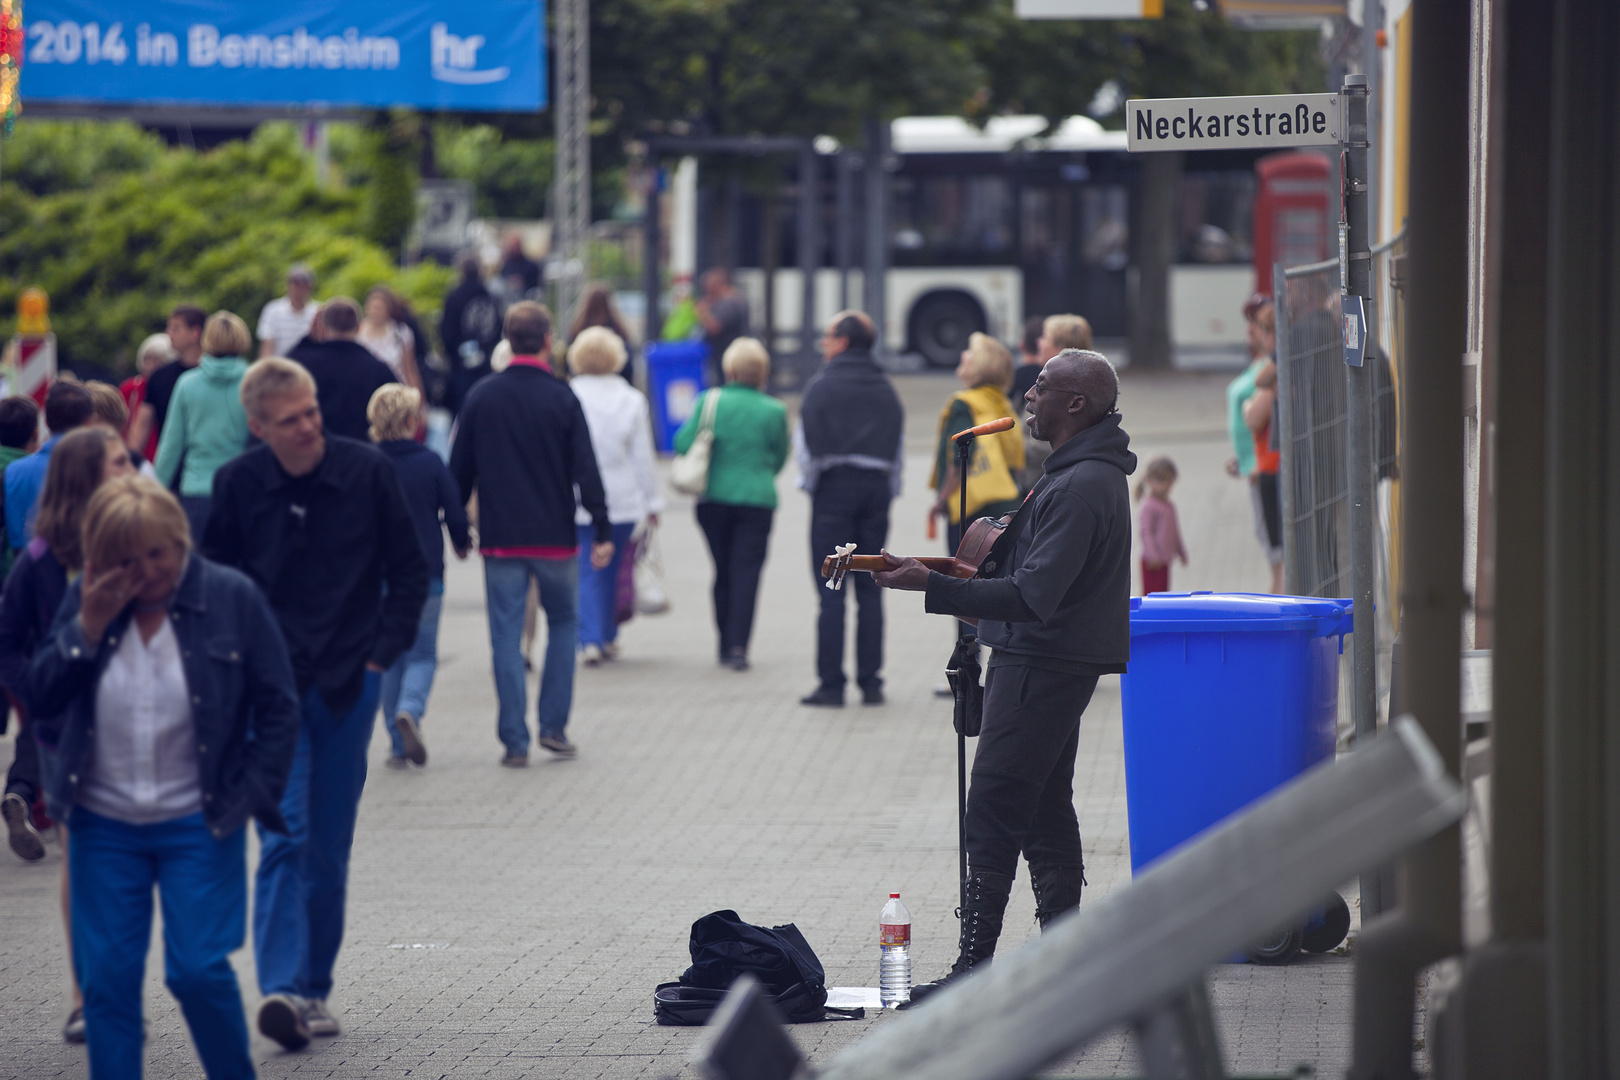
522,445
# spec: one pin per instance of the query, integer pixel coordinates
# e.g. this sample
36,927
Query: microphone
961,438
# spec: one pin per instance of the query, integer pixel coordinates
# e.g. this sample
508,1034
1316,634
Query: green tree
217,229
394,142
1054,68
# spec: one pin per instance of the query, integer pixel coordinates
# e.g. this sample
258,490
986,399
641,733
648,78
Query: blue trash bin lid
1225,613
665,352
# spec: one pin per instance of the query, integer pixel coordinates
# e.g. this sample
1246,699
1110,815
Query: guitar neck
867,564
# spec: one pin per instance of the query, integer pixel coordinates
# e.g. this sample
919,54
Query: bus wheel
941,323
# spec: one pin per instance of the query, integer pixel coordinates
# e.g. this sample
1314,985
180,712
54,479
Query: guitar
976,543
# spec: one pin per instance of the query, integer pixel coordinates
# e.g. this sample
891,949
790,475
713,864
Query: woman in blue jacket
157,648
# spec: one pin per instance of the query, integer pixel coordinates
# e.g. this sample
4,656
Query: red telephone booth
1294,213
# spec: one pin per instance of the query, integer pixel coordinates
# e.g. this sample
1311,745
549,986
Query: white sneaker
411,735
611,650
281,1017
592,655
318,1020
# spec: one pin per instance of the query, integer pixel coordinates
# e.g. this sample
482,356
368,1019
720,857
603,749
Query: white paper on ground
853,997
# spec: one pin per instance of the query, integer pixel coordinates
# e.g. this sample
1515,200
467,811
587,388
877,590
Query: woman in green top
750,447
205,426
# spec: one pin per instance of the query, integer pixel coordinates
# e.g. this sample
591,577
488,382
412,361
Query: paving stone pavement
513,923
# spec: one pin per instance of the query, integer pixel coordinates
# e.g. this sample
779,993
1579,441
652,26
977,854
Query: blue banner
430,54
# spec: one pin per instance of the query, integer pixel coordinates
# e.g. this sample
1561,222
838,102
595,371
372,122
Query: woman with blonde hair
435,504
178,666
735,512
205,426
621,435
985,371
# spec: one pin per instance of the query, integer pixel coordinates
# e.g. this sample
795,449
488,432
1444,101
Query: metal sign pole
1359,451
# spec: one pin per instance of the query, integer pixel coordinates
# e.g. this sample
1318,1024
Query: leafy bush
118,234
511,177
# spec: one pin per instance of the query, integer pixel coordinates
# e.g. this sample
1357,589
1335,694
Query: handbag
689,473
624,582
651,598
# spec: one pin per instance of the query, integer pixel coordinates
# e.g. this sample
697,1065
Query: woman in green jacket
750,447
205,426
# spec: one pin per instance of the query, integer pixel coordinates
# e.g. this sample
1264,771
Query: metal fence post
1286,423
1358,429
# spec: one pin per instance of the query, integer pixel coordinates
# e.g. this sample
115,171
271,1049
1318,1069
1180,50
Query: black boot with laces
1057,890
981,925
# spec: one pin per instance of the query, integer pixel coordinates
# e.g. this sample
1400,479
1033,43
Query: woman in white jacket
621,435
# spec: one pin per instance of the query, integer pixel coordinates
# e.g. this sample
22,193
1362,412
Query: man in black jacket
522,444
320,525
850,457
1056,615
346,373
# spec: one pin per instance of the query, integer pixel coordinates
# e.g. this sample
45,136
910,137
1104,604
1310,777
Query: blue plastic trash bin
677,374
1229,695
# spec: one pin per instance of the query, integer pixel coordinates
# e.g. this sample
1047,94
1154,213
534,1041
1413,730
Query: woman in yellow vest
986,370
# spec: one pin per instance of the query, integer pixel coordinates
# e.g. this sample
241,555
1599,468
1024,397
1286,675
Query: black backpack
724,947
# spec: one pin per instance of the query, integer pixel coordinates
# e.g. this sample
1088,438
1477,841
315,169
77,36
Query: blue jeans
203,885
303,880
406,685
506,588
598,589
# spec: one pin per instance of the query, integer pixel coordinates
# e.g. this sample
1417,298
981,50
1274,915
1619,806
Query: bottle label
894,933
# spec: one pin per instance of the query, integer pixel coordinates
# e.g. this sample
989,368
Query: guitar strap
997,561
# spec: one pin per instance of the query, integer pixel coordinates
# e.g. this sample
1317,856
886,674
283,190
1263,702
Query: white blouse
621,435
143,765
389,348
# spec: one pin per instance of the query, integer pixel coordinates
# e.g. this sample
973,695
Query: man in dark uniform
1056,616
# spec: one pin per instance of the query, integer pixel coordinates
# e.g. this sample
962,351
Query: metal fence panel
1311,434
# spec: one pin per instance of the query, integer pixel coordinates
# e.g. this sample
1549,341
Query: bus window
1216,217
952,219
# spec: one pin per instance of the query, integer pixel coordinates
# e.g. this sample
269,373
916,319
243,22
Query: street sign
1089,9
1355,330
1269,121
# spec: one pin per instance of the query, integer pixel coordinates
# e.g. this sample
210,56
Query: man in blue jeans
522,444
320,525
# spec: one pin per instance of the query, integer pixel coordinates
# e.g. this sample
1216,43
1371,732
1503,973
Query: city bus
990,225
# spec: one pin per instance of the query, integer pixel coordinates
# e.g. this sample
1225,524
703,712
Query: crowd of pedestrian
222,570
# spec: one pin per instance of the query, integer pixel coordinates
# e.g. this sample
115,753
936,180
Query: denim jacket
244,702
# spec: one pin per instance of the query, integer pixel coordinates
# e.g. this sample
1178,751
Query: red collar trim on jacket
533,361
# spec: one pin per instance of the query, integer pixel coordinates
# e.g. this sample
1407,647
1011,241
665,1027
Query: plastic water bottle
894,971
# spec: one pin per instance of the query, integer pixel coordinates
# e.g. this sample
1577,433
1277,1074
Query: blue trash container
1229,696
677,374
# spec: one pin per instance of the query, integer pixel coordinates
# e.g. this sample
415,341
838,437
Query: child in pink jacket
1161,535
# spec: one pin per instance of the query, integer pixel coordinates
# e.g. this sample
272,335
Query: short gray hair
747,361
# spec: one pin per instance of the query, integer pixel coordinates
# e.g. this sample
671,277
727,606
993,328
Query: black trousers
1021,798
737,538
849,505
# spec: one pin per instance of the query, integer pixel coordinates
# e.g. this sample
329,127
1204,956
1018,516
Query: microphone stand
964,455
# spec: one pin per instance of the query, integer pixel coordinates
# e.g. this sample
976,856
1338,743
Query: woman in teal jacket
735,512
206,426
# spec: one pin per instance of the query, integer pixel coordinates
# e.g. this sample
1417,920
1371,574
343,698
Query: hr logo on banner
455,59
